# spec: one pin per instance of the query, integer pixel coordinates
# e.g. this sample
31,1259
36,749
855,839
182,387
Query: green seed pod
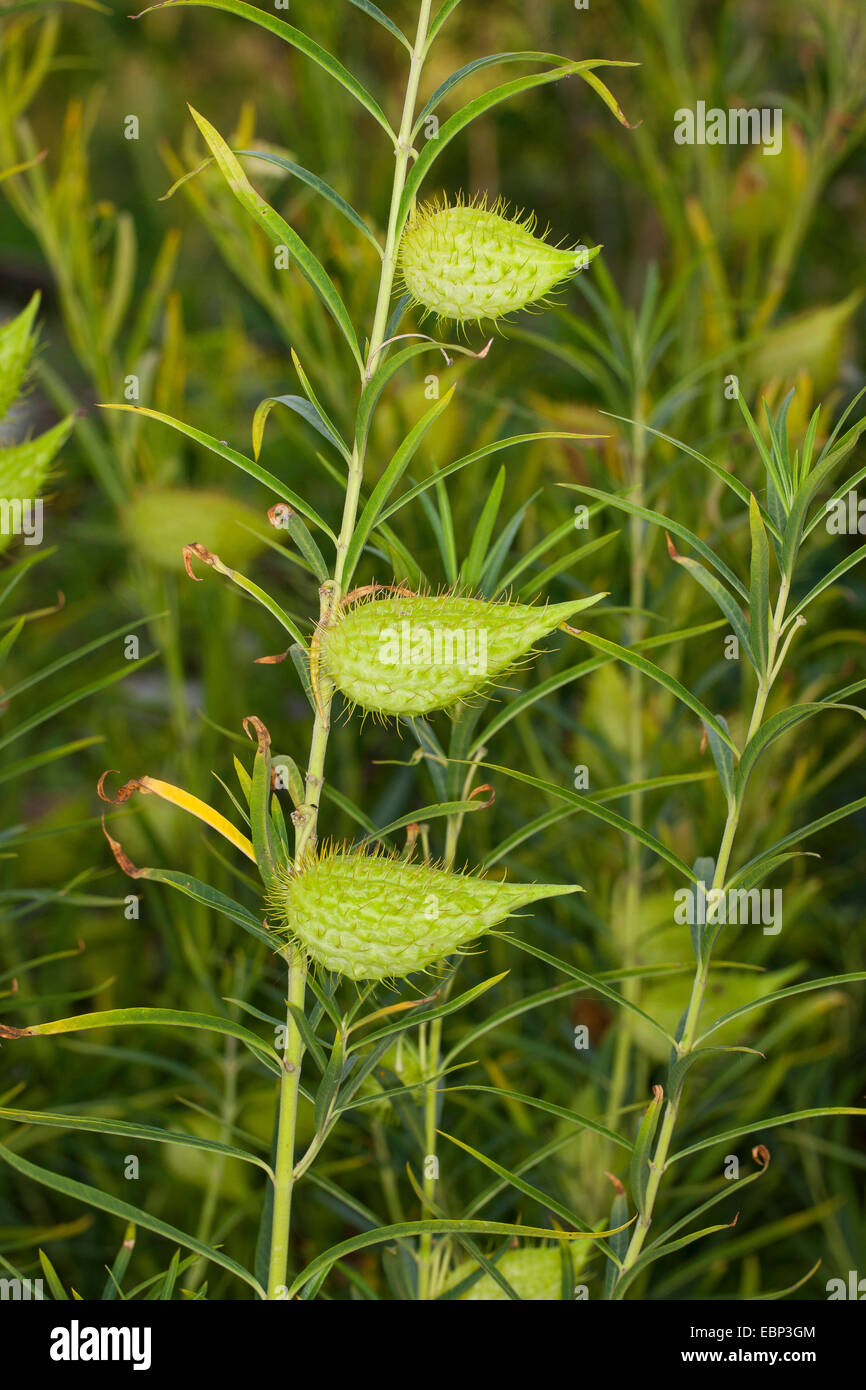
377,917
470,262
534,1272
411,653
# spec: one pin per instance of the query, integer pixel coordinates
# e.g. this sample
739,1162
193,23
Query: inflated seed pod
377,917
468,262
409,654
534,1272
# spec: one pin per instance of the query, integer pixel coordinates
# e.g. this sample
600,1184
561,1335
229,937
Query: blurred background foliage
717,261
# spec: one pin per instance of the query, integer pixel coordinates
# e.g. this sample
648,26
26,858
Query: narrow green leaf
729,479
216,446
835,573
391,476
826,982
557,1111
779,724
471,570
756,1126
298,40
535,1194
408,1229
100,1125
594,983
276,226
669,683
301,407
477,64
586,803
722,597
682,532
642,1152
94,1197
486,102
140,1017
323,189
759,590
375,13
475,457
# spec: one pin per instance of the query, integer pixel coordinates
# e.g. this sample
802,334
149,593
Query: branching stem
688,1035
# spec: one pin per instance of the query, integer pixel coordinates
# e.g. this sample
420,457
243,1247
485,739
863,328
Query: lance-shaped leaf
278,229
378,498
722,597
667,524
297,39
185,801
149,1018
669,683
103,1201
639,1168
207,557
487,102
759,590
218,446
328,1258
98,1124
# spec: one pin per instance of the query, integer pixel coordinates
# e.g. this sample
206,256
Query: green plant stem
634,872
306,816
431,1054
686,1042
284,1168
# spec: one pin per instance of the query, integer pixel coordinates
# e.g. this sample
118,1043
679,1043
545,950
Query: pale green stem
634,874
686,1041
306,817
432,1058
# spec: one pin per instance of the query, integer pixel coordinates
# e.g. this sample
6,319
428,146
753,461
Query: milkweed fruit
409,654
377,917
468,262
534,1272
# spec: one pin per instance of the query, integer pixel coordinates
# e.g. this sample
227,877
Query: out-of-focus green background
760,267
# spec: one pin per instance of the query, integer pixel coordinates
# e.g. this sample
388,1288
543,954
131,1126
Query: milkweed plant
371,932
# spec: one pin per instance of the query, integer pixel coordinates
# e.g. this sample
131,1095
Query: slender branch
686,1042
306,817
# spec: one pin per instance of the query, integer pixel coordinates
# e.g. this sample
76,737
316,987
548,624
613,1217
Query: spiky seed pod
534,1272
377,917
468,262
409,654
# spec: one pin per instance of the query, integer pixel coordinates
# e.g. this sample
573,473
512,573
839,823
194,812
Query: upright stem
634,872
306,816
686,1041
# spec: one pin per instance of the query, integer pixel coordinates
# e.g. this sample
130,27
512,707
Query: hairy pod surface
377,917
534,1272
410,654
471,263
